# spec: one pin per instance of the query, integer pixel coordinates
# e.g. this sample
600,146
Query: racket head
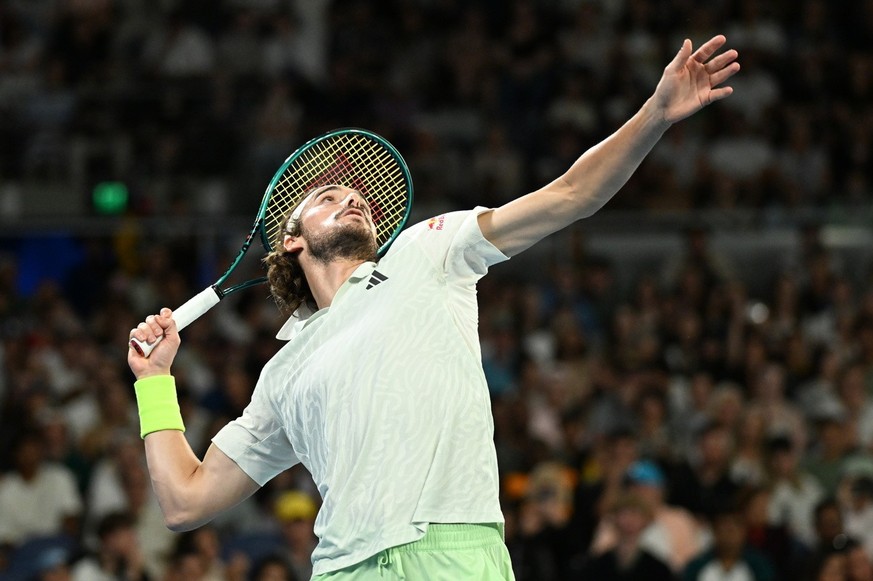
352,157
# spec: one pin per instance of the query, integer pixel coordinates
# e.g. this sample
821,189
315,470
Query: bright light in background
110,197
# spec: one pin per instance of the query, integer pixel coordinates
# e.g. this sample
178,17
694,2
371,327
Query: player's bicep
222,482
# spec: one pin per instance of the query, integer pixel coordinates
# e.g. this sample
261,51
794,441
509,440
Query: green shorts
469,552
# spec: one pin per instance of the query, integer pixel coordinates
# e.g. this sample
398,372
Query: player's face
335,223
334,204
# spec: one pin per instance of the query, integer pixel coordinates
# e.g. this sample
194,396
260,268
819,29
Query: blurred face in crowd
753,426
756,512
630,521
715,446
865,339
273,572
832,435
783,463
207,543
833,568
771,383
121,542
828,524
729,534
851,387
623,451
187,567
701,389
59,573
298,532
28,457
858,564
727,405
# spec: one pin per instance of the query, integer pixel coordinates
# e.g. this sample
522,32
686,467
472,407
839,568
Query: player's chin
361,233
360,224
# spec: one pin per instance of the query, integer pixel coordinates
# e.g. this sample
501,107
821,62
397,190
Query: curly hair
288,284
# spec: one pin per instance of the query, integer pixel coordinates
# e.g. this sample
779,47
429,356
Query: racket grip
186,314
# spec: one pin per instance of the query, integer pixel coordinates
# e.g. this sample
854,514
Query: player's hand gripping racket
354,158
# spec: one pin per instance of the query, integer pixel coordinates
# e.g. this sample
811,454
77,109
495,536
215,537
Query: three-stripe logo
375,279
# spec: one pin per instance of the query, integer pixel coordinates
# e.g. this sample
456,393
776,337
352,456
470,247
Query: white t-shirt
794,507
382,397
714,572
38,507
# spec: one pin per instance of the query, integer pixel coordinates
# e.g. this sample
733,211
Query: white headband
299,209
295,215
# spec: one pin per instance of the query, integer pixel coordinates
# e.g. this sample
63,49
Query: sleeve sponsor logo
436,223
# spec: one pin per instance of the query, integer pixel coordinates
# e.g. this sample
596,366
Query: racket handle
186,314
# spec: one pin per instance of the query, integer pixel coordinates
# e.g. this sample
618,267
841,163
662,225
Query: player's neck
325,278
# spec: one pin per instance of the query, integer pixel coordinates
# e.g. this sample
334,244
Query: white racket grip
186,314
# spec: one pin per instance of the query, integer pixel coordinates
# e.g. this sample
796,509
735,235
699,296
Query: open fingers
724,74
720,93
708,49
681,57
721,61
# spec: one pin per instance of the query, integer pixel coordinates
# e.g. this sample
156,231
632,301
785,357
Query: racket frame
203,301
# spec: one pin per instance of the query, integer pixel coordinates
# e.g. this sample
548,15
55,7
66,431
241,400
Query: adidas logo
375,279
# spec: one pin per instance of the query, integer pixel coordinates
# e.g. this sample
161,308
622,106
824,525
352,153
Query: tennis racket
354,158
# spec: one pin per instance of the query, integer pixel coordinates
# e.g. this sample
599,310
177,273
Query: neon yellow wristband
158,404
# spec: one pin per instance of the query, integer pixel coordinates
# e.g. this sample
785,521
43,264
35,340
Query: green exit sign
110,197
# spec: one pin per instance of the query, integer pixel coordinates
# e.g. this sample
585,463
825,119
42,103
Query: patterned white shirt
382,397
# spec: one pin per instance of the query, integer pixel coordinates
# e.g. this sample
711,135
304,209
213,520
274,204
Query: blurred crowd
679,427
683,427
191,101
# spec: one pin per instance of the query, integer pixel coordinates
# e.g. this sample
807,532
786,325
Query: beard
351,241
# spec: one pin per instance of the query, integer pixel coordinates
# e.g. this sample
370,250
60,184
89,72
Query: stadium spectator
629,558
795,493
117,556
37,498
671,534
295,511
730,557
704,483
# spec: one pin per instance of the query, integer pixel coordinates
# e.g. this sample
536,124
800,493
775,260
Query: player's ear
293,243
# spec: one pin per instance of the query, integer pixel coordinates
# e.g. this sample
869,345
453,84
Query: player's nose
353,198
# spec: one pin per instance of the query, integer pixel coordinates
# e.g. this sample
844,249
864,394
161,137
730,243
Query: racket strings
351,160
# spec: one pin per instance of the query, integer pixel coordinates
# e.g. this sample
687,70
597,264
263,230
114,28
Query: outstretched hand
692,81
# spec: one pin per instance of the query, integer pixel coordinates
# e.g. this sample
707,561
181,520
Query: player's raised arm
689,83
190,491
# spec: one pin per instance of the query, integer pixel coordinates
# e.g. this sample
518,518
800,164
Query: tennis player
379,390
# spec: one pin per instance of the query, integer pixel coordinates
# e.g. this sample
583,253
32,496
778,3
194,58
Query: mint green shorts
469,552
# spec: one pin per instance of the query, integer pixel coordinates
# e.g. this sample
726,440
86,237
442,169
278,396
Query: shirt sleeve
256,440
454,243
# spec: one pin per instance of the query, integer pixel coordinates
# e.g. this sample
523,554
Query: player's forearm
189,491
172,463
602,170
582,190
